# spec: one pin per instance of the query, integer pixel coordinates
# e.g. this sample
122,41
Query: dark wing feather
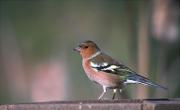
106,64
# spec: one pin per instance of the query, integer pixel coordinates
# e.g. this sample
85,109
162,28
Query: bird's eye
85,47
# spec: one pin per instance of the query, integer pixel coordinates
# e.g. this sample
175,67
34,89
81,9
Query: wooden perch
124,104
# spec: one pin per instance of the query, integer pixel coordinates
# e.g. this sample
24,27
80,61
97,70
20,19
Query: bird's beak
77,49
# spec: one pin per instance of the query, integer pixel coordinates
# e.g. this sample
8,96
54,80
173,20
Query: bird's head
87,49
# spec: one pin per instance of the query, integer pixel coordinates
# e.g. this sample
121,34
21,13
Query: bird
108,72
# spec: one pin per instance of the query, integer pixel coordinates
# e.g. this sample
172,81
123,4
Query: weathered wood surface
123,104
168,104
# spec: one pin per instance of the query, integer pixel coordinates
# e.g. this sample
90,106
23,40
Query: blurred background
37,62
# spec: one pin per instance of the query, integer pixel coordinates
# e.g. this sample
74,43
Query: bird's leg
114,93
119,93
102,94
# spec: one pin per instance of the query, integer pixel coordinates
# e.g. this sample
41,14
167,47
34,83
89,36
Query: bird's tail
135,78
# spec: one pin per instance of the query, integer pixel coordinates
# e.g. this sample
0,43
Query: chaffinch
106,71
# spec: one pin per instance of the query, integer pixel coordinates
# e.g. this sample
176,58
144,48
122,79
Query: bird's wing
107,64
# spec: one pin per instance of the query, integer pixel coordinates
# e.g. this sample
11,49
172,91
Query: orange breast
103,78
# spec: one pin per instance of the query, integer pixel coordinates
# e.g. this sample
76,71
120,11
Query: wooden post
143,50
